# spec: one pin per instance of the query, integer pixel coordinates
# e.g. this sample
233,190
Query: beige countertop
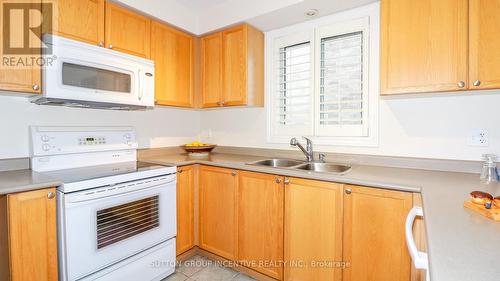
462,246
24,180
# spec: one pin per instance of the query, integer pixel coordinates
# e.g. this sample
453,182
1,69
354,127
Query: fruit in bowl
198,147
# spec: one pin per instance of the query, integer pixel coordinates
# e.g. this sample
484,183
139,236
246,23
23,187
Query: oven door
100,227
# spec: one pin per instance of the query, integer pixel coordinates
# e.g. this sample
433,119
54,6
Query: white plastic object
420,259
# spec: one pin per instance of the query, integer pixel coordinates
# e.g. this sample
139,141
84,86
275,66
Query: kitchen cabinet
313,229
185,209
127,31
484,44
218,195
260,222
374,234
81,20
211,67
424,45
172,52
26,79
28,240
233,67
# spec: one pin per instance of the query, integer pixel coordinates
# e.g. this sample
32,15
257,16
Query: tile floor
199,268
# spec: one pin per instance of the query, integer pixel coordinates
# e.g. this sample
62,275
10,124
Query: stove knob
45,147
45,138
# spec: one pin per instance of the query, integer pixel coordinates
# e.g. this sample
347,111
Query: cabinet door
32,234
260,222
211,69
374,234
235,66
16,77
81,20
313,230
185,209
172,51
126,31
424,46
218,205
484,48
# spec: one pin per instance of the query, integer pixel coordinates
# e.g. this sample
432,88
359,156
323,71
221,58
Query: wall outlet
478,138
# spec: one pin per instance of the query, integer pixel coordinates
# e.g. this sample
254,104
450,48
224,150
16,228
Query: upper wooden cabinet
127,31
211,69
233,67
374,234
81,20
26,79
313,229
185,209
218,211
484,44
424,46
260,222
28,239
172,51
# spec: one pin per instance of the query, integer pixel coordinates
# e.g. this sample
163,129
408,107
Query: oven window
123,221
95,78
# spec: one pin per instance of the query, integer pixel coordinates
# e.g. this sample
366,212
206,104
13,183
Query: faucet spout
308,150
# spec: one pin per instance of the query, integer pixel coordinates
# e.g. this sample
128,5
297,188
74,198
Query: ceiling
203,16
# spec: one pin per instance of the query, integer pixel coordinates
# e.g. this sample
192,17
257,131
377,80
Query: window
323,84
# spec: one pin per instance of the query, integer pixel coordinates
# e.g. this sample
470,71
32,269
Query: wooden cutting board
493,213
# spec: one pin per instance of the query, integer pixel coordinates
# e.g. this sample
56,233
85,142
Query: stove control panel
47,141
92,140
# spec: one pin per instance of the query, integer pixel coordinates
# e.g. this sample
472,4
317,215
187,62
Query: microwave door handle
140,86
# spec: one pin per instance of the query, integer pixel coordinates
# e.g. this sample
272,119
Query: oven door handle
118,191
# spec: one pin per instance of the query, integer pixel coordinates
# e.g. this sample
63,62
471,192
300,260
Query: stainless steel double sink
304,166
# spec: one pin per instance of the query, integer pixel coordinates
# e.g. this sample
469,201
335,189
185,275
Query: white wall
155,128
425,126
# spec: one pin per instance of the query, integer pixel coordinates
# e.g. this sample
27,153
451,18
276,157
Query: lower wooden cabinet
313,230
185,209
218,211
260,222
374,234
299,229
28,240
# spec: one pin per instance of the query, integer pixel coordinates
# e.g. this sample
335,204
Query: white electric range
116,216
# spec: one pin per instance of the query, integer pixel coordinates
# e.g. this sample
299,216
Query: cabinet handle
278,180
51,195
36,87
101,44
110,46
287,181
348,191
461,84
476,83
180,171
233,173
220,103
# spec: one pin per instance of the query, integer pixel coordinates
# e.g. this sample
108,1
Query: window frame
365,19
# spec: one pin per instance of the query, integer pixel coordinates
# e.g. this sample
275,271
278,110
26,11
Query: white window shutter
293,91
342,98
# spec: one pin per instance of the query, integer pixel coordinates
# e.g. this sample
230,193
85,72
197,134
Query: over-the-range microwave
83,75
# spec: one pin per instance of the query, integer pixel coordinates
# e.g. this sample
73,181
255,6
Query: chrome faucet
308,151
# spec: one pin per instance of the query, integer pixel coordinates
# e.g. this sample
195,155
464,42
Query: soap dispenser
489,173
